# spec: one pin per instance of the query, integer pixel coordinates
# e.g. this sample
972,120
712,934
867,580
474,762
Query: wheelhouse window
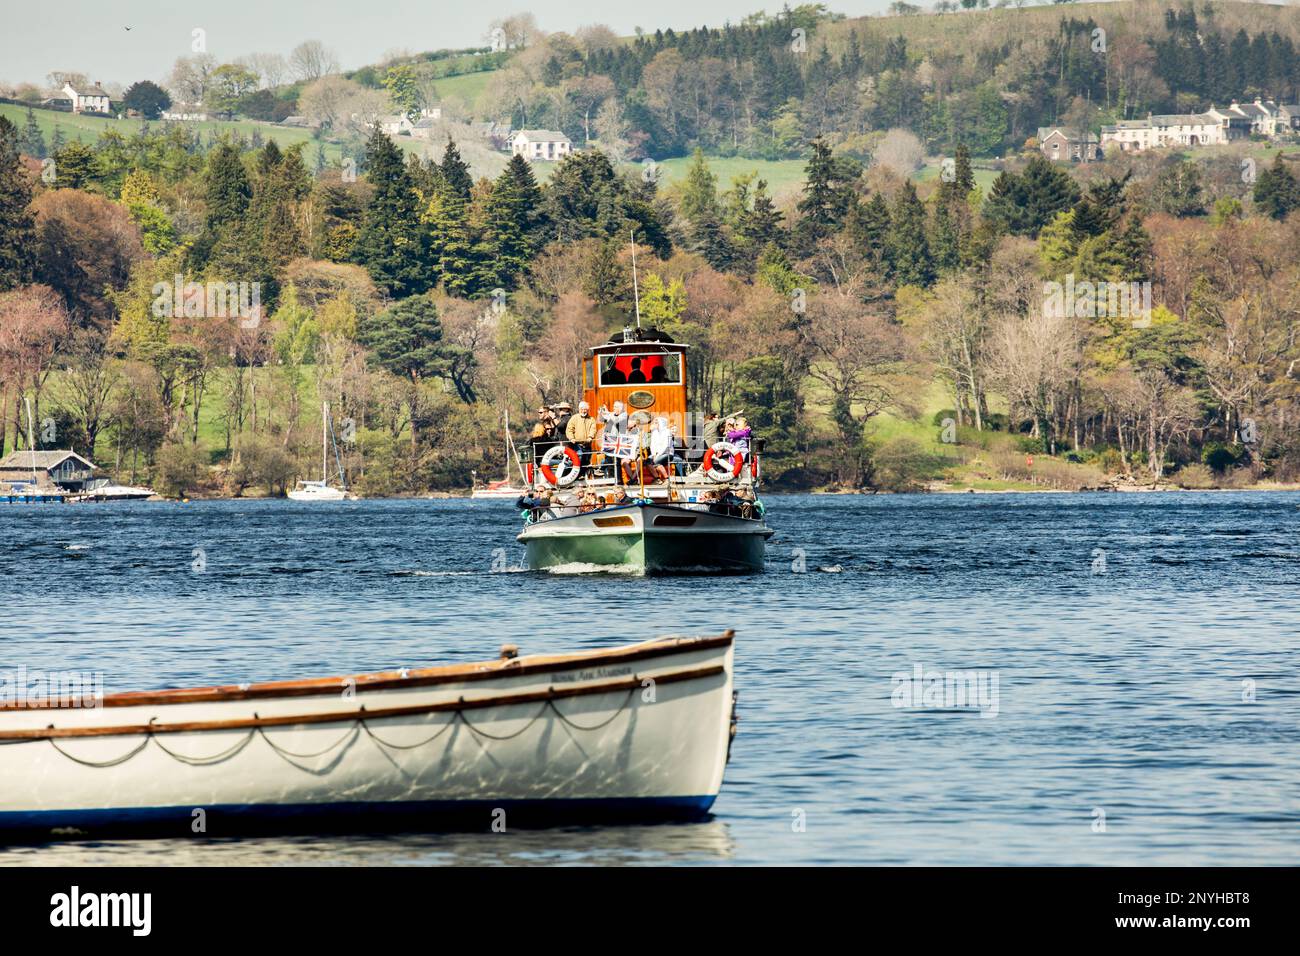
641,368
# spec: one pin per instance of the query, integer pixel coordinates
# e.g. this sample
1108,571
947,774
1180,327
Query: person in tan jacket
581,432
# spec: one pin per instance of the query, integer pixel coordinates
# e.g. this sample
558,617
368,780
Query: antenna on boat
636,292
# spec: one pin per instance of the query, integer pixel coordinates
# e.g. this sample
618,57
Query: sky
90,36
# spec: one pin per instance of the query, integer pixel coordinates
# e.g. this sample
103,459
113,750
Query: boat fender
717,468
561,455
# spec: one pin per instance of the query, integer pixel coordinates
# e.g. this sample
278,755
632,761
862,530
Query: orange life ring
723,474
555,457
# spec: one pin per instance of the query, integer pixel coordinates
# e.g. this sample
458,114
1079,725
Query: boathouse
53,469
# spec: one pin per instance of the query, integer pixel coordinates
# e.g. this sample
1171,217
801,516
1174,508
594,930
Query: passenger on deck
590,502
615,424
543,435
535,505
663,456
581,433
739,434
637,377
563,412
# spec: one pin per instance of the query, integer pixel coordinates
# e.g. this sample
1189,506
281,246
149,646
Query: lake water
1146,708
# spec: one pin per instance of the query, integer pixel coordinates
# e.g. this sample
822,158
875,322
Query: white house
1187,129
1129,135
395,124
534,144
87,99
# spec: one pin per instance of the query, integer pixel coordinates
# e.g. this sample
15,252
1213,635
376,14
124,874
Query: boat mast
507,474
636,292
31,444
324,447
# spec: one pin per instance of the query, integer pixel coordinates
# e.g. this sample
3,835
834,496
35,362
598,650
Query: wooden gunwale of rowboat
395,680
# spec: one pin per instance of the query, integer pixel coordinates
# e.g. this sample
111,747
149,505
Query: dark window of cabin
641,368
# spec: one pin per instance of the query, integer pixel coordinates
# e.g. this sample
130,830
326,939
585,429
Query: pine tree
17,225
56,139
450,245
820,203
33,143
228,189
528,196
605,281
909,248
700,190
505,250
1276,190
869,228
945,242
268,159
761,225
455,171
393,244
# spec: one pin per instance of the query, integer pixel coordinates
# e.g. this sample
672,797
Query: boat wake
582,567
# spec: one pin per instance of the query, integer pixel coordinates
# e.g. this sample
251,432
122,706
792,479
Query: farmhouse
87,99
394,124
1060,143
534,144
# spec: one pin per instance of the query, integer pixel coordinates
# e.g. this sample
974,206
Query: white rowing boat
636,732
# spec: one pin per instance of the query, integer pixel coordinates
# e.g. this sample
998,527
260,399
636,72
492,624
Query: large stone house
1059,143
87,99
534,144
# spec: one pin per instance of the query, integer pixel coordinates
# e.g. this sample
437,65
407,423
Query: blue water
1144,647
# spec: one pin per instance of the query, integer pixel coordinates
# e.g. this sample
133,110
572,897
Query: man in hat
563,411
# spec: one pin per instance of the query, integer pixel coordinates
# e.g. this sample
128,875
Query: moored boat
322,490
640,732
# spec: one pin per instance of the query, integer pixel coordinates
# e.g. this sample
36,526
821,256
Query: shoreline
933,490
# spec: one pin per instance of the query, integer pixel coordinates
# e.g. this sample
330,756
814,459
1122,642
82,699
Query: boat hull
640,732
650,539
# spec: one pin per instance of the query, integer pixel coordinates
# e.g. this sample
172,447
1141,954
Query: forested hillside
879,332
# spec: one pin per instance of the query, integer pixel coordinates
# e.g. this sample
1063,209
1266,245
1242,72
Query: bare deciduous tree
311,60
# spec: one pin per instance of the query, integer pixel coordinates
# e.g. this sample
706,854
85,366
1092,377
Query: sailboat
322,490
505,488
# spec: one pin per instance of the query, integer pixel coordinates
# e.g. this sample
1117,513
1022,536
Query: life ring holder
724,473
560,455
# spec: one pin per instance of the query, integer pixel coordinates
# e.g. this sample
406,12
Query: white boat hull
636,732
498,493
318,493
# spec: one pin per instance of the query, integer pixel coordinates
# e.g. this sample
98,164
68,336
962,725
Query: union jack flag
620,446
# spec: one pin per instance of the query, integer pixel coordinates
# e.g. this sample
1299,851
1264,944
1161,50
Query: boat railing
601,467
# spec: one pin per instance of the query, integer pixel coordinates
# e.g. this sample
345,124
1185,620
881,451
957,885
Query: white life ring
722,469
560,466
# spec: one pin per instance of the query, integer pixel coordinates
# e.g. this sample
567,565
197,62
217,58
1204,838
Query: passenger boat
640,732
705,517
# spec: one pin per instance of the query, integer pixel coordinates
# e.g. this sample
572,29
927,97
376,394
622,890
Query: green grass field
88,129
468,88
